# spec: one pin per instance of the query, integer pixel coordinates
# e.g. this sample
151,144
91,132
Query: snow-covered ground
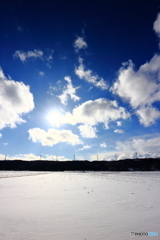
78,205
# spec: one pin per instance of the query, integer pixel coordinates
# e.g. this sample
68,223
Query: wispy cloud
79,44
119,131
41,73
35,54
69,91
49,58
89,76
23,56
103,145
84,148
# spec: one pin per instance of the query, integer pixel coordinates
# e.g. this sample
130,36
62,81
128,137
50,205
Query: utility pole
5,157
74,157
97,157
136,155
115,157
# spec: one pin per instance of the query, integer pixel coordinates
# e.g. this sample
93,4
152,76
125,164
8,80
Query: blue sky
79,78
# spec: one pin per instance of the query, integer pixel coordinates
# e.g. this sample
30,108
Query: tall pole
97,157
136,155
5,156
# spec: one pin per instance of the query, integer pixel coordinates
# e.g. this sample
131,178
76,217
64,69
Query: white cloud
89,76
5,144
118,131
69,91
94,112
156,25
149,146
15,100
87,131
148,115
49,57
0,135
119,124
103,145
23,56
53,136
79,44
32,157
84,147
141,147
41,73
141,88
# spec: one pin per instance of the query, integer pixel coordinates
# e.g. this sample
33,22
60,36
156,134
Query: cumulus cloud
79,44
23,56
148,115
118,131
103,145
89,76
143,146
69,91
15,100
93,112
53,136
87,131
140,88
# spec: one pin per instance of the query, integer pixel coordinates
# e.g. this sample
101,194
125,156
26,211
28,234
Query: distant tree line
148,164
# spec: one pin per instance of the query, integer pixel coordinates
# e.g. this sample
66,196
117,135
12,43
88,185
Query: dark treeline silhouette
148,164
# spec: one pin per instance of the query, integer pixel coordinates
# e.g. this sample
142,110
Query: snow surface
78,205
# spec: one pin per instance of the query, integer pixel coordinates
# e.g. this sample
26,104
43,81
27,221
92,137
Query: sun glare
54,117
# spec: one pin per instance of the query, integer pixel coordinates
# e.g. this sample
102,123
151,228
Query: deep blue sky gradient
115,31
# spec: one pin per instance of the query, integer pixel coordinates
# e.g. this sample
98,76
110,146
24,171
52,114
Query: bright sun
54,117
